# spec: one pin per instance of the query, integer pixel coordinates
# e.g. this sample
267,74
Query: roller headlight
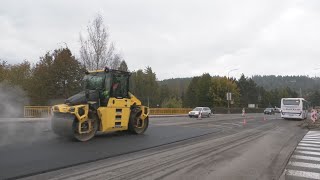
81,111
71,109
56,108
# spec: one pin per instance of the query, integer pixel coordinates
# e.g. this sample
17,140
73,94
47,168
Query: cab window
119,87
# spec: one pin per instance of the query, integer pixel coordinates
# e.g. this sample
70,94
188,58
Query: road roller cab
104,105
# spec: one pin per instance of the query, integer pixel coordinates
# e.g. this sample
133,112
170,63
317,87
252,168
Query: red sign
314,115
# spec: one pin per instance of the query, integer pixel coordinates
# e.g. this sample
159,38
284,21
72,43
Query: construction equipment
105,105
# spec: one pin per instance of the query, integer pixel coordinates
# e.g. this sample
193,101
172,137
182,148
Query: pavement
219,147
305,161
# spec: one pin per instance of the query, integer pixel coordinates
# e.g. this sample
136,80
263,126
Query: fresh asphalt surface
29,147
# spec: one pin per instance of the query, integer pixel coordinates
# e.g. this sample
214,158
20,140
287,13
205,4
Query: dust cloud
13,128
12,101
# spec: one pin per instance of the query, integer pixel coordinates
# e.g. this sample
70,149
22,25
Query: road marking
309,145
309,141
234,124
304,174
302,164
309,152
311,158
309,148
313,132
311,138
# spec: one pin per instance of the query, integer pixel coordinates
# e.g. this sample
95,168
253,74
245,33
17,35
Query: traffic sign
229,96
314,115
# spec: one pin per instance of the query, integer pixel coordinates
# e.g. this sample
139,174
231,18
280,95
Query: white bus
294,108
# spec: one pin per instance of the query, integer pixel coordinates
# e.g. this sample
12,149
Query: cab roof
108,70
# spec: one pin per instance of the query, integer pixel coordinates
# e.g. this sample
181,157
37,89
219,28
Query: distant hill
294,82
177,85
307,84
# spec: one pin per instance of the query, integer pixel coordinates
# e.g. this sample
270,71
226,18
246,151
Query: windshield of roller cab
94,81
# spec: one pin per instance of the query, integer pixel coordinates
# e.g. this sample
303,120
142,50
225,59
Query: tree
97,50
115,63
165,93
314,99
68,73
191,98
57,75
248,91
14,83
204,97
3,70
16,74
123,66
172,103
219,88
144,85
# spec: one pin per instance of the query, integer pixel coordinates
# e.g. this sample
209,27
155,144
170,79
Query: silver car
204,111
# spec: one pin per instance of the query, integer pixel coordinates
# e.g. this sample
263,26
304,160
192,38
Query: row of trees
57,75
211,91
145,86
306,83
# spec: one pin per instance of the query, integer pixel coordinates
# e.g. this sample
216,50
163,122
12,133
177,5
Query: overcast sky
180,38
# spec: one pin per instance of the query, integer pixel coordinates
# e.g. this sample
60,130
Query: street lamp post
300,90
231,71
316,72
228,93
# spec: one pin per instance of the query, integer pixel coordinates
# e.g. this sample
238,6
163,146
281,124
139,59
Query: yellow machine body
117,114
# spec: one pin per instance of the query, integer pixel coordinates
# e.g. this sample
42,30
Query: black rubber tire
134,117
87,136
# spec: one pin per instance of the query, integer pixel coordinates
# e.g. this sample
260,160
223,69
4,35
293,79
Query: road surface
305,161
220,147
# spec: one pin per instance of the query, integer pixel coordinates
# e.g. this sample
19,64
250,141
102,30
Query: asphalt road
221,147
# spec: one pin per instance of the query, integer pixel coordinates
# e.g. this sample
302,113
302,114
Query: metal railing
37,111
45,111
169,111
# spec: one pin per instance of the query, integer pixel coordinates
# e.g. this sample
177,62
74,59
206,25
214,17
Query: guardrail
45,111
169,111
37,111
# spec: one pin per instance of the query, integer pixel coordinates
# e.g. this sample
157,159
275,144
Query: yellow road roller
104,105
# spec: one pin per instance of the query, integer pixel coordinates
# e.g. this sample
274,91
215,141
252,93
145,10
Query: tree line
58,74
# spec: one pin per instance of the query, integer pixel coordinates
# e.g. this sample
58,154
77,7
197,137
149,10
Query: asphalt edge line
283,175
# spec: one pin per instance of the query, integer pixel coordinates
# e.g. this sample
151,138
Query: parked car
269,111
277,110
205,112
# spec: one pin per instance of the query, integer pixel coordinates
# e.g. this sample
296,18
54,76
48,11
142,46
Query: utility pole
300,90
315,74
229,93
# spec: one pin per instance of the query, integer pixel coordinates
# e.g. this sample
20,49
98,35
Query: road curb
12,120
163,116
